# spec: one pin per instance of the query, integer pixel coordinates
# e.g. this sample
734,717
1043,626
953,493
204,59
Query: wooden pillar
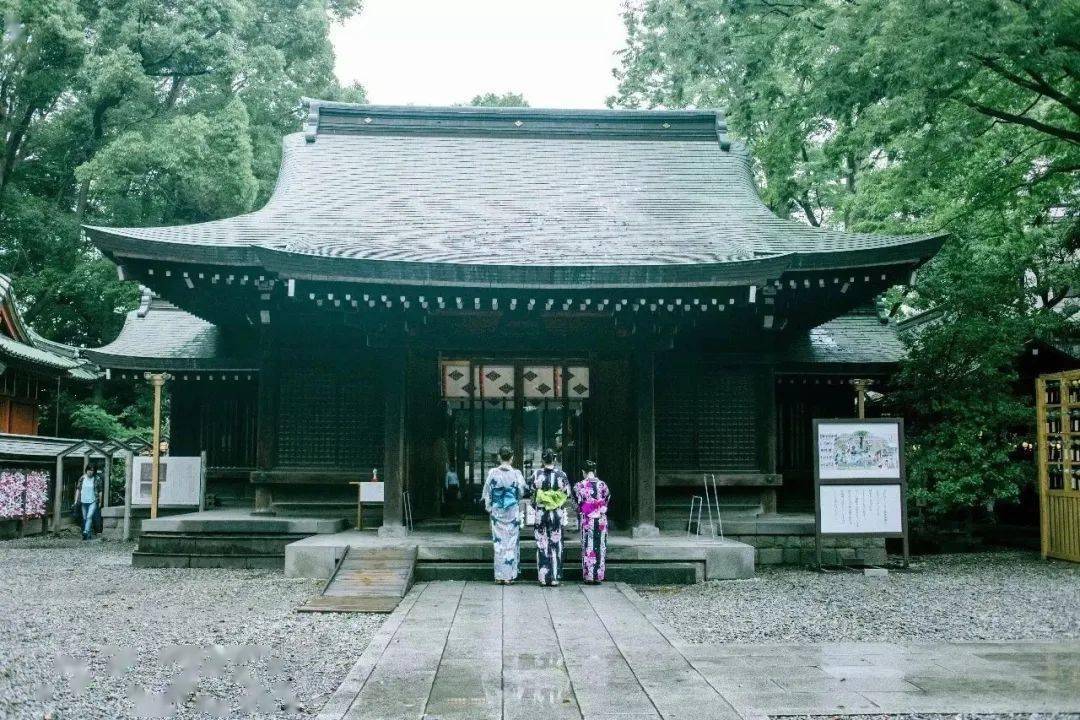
861,386
267,428
106,479
129,472
58,493
645,489
393,447
767,399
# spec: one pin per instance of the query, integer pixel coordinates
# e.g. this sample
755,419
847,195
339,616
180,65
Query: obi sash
593,508
504,497
551,499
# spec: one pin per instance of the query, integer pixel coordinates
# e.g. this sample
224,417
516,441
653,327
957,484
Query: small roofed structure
30,367
426,284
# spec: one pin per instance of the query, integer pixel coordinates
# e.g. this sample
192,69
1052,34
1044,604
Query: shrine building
428,284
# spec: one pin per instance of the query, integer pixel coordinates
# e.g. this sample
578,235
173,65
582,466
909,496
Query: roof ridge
331,117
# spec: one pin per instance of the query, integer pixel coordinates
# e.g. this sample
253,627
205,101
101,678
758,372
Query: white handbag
530,513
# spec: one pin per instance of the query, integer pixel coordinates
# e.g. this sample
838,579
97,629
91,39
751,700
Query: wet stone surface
458,650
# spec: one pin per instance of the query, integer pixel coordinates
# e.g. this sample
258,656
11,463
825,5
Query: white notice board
860,509
179,480
371,492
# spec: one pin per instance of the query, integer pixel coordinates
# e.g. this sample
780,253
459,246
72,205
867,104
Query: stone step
221,543
141,559
640,573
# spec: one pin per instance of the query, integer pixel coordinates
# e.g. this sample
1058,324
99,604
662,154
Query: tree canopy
908,116
507,99
141,112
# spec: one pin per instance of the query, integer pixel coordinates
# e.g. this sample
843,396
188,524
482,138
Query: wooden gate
1058,413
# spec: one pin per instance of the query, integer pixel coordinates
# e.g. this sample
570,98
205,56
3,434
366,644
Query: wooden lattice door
1058,415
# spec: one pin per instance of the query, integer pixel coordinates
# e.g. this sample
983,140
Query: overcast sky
557,53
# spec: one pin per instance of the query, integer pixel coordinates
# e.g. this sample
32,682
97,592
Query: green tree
507,99
141,112
908,116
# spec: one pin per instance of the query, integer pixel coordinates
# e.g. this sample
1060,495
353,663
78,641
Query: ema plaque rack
1058,438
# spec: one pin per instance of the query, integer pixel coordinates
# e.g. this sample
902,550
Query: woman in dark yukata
591,495
549,489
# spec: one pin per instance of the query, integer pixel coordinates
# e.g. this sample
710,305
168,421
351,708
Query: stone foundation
799,549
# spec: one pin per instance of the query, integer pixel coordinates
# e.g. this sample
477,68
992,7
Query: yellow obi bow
551,499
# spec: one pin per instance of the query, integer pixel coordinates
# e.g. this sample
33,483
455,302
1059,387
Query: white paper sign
855,451
371,492
178,480
860,509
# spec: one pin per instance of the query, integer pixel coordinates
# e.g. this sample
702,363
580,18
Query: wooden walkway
369,580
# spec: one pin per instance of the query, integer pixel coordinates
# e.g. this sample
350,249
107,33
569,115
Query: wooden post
267,428
202,481
393,448
645,382
861,386
157,381
1041,438
58,493
129,471
105,480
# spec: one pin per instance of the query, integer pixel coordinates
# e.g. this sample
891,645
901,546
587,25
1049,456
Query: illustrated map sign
858,450
859,482
179,480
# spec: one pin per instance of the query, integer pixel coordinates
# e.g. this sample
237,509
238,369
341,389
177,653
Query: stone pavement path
455,650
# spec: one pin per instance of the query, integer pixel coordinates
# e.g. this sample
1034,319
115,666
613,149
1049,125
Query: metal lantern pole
157,381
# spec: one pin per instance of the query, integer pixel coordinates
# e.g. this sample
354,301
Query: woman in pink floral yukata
591,495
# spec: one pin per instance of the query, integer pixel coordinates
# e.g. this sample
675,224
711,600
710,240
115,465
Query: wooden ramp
367,580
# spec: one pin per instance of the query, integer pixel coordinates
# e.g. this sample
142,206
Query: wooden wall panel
709,417
331,412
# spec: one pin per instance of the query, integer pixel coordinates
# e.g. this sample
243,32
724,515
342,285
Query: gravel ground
984,596
61,596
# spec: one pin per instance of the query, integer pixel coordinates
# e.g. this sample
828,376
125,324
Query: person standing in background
88,491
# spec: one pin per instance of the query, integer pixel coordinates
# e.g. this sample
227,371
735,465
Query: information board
860,509
179,480
859,484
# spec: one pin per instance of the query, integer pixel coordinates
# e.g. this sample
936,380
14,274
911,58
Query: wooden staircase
367,580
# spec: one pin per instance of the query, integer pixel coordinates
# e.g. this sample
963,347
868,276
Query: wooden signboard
860,486
1058,440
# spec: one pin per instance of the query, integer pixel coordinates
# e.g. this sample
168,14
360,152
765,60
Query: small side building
33,370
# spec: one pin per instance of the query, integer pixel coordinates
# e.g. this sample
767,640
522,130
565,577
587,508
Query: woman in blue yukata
550,490
503,491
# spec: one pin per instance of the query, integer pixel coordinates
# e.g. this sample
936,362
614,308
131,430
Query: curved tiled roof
379,187
160,336
28,347
859,337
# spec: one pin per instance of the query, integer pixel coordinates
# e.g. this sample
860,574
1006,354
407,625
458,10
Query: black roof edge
330,117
